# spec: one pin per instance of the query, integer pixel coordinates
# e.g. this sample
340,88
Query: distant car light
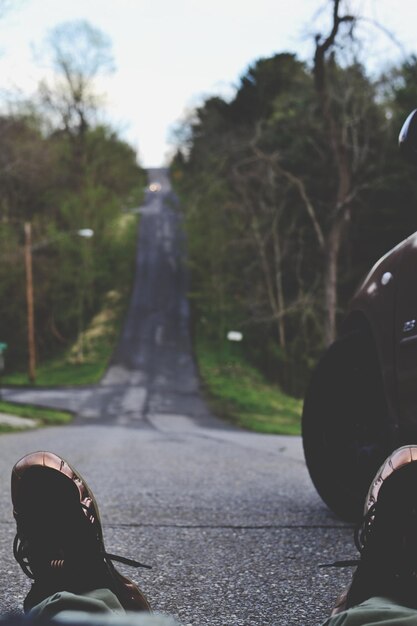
154,187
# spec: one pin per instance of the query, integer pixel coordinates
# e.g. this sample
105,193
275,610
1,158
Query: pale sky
169,54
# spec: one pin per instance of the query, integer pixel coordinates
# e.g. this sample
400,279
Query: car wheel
345,426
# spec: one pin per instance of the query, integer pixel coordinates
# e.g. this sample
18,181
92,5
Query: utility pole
29,301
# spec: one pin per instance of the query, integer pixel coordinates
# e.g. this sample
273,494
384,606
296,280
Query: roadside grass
238,393
44,417
86,361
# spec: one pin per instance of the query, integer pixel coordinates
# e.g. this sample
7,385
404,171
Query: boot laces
21,550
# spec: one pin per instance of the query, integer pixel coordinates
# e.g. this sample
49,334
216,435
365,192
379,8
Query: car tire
344,425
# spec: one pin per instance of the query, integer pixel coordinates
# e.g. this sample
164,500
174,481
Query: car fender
375,307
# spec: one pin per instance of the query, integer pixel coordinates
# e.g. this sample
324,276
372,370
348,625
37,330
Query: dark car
362,399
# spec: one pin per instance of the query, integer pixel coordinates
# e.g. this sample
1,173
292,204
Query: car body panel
406,339
387,300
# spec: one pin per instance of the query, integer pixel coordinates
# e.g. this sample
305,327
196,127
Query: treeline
290,192
67,175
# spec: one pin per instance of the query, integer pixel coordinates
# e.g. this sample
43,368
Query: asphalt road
229,520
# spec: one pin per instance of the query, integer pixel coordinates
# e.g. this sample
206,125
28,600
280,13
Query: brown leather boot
386,538
59,539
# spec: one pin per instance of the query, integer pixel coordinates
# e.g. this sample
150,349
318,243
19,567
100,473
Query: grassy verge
87,360
44,417
238,393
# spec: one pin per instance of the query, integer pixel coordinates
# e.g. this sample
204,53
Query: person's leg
384,585
59,540
94,601
99,607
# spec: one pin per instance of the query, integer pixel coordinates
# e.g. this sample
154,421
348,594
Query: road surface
229,520
152,376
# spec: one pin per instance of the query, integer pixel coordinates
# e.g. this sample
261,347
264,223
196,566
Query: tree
62,171
79,53
241,212
291,191
335,128
26,162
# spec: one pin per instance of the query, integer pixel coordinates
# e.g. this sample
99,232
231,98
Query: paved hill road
228,520
152,375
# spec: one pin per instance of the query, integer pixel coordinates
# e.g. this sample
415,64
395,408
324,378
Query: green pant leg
95,601
376,611
99,607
